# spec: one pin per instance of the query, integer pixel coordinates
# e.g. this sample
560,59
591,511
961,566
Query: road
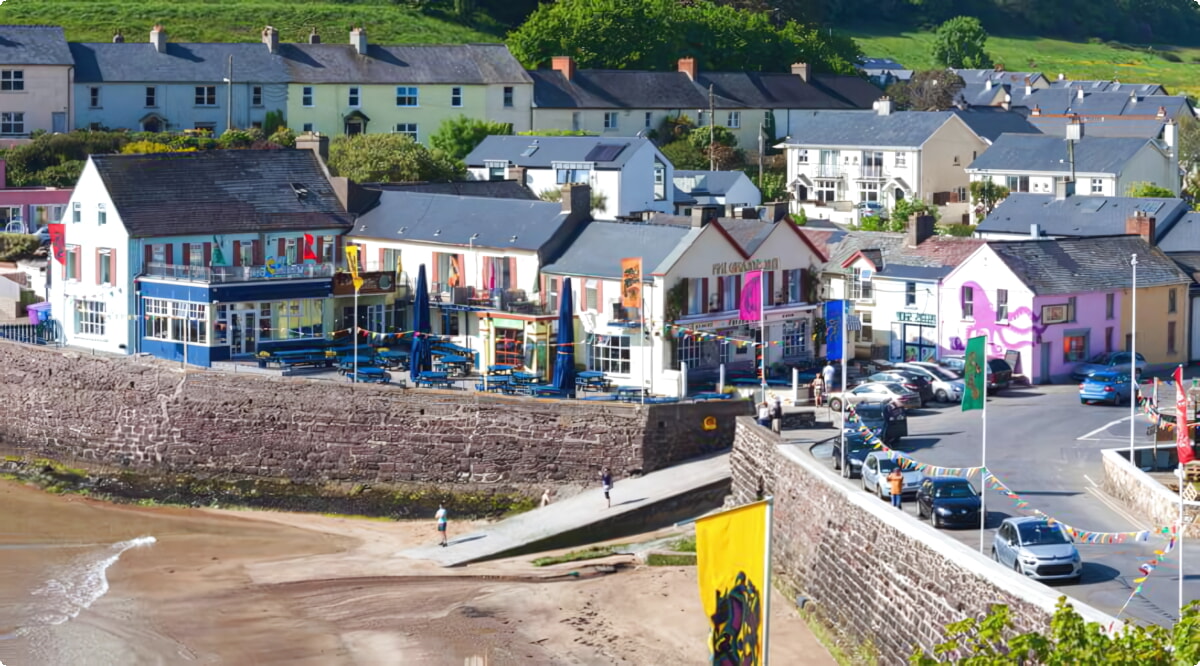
1045,446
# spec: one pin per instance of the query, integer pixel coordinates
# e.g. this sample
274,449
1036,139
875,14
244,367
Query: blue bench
701,397
434,380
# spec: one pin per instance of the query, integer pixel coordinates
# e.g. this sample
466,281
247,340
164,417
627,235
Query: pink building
24,209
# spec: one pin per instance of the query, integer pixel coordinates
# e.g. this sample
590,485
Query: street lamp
1133,360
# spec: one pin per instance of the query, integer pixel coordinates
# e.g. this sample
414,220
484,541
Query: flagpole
766,604
1181,420
762,332
845,393
983,471
1133,359
642,314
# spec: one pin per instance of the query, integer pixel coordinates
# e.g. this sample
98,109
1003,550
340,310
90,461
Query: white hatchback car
875,468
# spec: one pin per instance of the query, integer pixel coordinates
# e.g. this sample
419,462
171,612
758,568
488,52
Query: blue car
1106,386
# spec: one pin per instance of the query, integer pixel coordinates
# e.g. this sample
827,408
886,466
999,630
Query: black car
948,501
910,380
857,448
885,419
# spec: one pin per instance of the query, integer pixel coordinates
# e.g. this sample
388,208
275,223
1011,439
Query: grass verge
846,655
591,553
684,545
668,560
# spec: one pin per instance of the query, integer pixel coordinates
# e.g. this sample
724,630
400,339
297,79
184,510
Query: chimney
1006,103
565,65
883,106
1162,113
802,70
358,39
118,38
1035,230
918,229
702,215
1063,188
748,213
316,142
1133,98
158,37
1028,87
313,37
1074,128
688,66
1079,92
1139,224
270,37
1037,110
577,199
987,85
516,173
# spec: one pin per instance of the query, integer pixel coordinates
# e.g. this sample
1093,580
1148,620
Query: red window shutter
770,288
282,248
704,294
112,266
256,249
720,293
149,258
237,253
512,274
485,277
170,253
208,254
319,249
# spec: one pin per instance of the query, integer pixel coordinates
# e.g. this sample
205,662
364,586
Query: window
101,214
956,162
194,252
72,267
178,321
591,295
610,120
1110,301
327,247
206,95
307,127
391,260
291,251
406,96
449,269
649,120
353,98
12,123
104,268
802,156
89,318
12,80
1071,309
158,253
76,211
968,302
456,97
1074,348
508,97
1097,186
1001,305
306,96
151,97
256,96
901,159
610,354
1171,347
868,190
795,338
866,333
860,289
660,181
572,173
47,214
94,97
1172,301
245,253
826,191
690,350
696,296
409,129
910,294
731,289
1108,340
792,281
10,214
1017,183
734,121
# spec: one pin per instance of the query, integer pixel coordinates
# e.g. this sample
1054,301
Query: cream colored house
35,81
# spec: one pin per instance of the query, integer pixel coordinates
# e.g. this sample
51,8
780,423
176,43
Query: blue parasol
420,359
564,360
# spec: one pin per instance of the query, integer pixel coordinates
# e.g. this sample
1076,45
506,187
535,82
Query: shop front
914,337
521,341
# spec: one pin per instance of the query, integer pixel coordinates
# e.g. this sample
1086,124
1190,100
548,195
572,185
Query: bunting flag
1148,567
1183,438
904,461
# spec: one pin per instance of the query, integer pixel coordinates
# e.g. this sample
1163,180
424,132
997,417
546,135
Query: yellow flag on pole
731,557
352,262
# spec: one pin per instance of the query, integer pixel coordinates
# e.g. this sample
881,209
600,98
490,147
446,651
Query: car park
1115,361
948,501
1036,548
875,392
1107,386
886,419
875,469
857,448
999,372
909,379
945,385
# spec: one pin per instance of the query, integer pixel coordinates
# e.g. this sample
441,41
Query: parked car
948,501
1033,546
1118,361
875,392
857,448
946,386
43,235
1107,386
886,419
875,469
870,209
999,372
955,363
909,379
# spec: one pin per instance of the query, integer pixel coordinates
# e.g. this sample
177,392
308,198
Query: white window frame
1097,186
76,212
353,97
734,120
12,123
860,290
90,317
611,354
408,96
101,214
306,97
910,294
1001,305
456,97
966,300
12,80
868,190
689,349
795,338
104,258
409,129
802,156
611,120
901,159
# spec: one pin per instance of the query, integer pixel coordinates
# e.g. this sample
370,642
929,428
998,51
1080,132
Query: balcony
828,171
513,301
871,172
232,274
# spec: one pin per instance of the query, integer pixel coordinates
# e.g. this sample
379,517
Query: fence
45,333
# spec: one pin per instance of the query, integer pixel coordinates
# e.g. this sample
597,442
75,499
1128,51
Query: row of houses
171,256
47,83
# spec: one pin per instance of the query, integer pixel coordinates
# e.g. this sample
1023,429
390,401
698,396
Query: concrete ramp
639,504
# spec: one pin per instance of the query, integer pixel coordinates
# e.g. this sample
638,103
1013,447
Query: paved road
1045,446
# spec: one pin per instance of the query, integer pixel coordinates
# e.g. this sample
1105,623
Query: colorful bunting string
902,460
1147,568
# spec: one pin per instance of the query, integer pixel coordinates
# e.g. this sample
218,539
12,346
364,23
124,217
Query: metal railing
45,333
871,171
828,171
213,274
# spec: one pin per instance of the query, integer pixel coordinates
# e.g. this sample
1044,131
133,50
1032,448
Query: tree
985,194
381,158
960,43
1188,138
800,218
773,185
457,137
930,90
685,156
904,209
1144,189
1072,640
722,136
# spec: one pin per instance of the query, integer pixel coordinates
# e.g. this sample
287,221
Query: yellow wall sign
710,423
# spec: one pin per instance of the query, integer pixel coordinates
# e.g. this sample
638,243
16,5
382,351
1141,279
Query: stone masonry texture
144,414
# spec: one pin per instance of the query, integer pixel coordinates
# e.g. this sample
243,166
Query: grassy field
1051,57
235,21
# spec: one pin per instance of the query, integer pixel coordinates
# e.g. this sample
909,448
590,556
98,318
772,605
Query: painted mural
1018,333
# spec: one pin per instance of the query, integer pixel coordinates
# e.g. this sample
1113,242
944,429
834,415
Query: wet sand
244,587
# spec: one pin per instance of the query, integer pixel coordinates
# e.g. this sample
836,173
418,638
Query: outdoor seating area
432,379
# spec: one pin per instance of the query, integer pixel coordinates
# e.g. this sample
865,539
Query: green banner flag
975,373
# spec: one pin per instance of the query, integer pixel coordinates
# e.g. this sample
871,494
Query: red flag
1183,436
58,242
309,255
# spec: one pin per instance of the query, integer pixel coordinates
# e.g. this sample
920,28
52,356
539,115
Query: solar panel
604,152
529,151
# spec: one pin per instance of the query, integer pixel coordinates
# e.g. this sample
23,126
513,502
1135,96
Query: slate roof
1078,215
492,189
1106,126
716,183
932,259
868,129
220,191
33,45
1043,153
1054,101
408,63
978,76
598,247
1082,265
878,63
989,123
1110,86
769,90
452,220
1188,261
859,92
552,149
1183,235
135,62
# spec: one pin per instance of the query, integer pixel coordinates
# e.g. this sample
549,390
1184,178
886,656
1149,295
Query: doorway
58,122
243,331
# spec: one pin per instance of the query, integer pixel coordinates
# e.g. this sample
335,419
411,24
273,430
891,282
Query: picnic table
496,384
434,380
525,378
345,364
631,393
393,359
369,374
701,397
546,392
500,370
458,364
592,380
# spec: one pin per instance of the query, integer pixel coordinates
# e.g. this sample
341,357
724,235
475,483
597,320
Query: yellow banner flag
352,262
731,558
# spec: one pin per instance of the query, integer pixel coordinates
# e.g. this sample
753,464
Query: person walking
827,374
818,389
546,497
777,416
896,482
764,414
606,483
440,516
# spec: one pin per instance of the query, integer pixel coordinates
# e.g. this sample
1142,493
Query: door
354,127
58,122
243,331
1044,362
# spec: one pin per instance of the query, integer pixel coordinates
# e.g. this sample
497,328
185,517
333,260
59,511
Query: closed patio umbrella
420,359
564,359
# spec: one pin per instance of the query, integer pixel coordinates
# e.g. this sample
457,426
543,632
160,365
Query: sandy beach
216,586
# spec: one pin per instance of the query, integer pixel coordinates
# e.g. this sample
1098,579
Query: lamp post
1133,359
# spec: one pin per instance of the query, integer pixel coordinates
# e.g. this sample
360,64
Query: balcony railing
829,171
515,301
871,172
221,274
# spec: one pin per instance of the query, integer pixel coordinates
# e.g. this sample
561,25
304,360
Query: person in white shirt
440,516
827,375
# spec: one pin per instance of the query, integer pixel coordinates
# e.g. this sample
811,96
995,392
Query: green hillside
236,21
1129,64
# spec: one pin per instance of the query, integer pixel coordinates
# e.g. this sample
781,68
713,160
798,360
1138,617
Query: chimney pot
118,38
564,65
577,199
313,37
1079,92
358,39
1162,113
883,106
1035,230
158,37
270,37
688,66
702,215
802,70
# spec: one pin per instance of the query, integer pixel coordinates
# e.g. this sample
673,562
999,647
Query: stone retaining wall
1145,496
144,414
876,575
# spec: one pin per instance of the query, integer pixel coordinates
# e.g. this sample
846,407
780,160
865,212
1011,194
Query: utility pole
229,97
762,147
712,129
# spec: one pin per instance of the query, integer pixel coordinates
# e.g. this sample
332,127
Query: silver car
1036,548
947,387
875,392
875,468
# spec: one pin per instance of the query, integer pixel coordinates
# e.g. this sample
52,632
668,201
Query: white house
35,80
727,189
627,174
